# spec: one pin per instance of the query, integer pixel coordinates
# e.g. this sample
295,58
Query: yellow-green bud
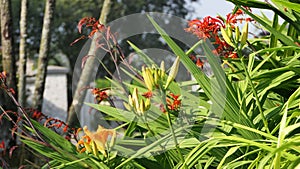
156,76
148,78
141,107
226,37
135,99
244,35
229,31
237,34
162,66
127,106
173,72
147,104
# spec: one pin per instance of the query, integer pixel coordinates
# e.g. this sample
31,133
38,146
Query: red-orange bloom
99,94
173,103
193,58
209,27
2,145
65,129
199,63
205,28
36,115
148,94
233,55
89,22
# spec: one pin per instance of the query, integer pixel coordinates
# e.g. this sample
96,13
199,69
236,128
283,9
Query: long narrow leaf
200,77
276,33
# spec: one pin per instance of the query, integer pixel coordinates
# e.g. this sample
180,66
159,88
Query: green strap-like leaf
200,77
148,61
221,85
283,38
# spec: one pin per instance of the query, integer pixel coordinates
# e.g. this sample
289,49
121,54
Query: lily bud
141,107
237,34
173,72
244,35
156,76
162,66
148,78
138,106
135,99
229,31
147,104
226,37
130,100
127,106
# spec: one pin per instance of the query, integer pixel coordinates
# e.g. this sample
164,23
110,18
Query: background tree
8,56
43,56
9,66
85,77
22,54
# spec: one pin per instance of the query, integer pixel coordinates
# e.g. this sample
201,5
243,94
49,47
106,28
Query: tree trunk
85,77
22,74
9,66
22,54
8,57
43,56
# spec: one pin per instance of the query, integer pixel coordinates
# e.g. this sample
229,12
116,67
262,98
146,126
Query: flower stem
148,127
175,140
265,122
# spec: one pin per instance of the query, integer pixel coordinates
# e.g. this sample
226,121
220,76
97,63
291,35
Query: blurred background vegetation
68,13
64,31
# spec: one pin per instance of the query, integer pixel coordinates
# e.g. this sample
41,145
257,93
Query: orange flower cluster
51,122
148,94
209,28
197,61
3,76
37,115
233,18
88,22
173,103
99,94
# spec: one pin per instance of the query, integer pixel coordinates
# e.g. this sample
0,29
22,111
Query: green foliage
102,83
61,151
245,116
